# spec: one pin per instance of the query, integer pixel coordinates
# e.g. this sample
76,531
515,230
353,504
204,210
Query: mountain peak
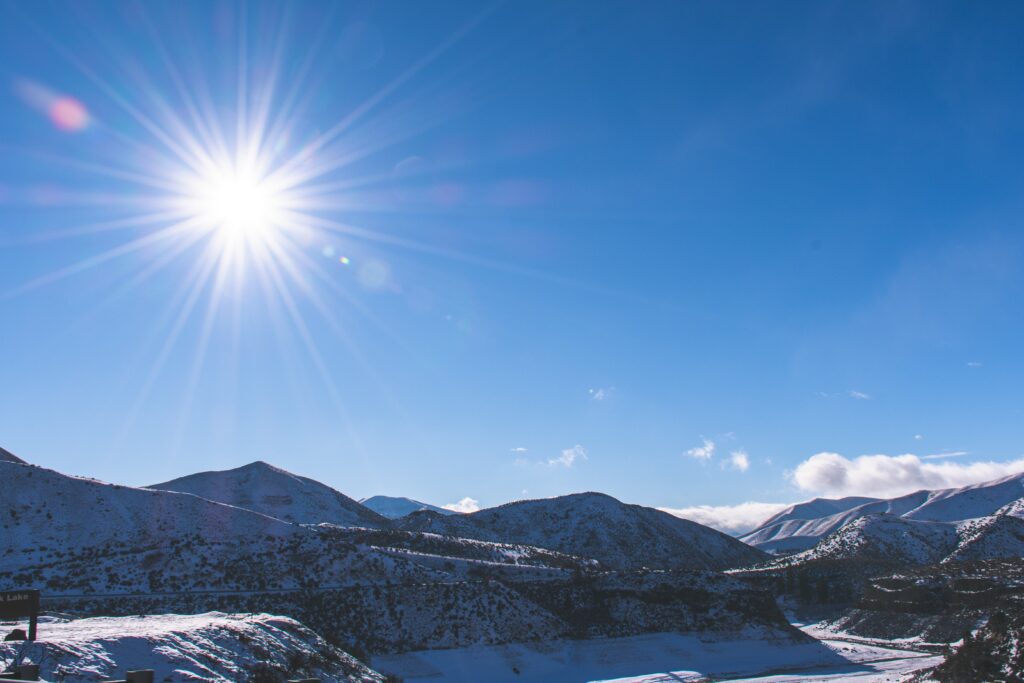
597,526
272,491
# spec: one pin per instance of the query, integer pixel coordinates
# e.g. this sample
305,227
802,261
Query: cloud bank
732,519
833,475
887,476
467,504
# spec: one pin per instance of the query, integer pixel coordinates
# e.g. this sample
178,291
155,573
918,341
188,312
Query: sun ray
220,174
130,247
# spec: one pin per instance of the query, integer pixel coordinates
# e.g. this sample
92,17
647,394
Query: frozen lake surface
669,658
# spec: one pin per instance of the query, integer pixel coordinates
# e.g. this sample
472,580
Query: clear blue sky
787,228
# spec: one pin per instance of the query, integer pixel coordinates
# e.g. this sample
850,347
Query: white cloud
973,364
518,449
739,460
601,394
703,452
859,395
832,474
467,504
569,456
735,519
918,437
945,454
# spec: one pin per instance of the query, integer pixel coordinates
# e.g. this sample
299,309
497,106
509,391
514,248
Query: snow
594,525
668,658
803,525
905,541
62,513
215,647
394,507
274,492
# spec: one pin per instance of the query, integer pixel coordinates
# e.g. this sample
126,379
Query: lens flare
240,207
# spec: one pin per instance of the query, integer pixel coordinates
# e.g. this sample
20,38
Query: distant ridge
394,507
271,491
802,526
597,526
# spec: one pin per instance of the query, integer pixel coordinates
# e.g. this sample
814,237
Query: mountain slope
394,507
101,549
213,647
7,456
597,526
787,533
885,538
988,538
47,509
274,492
816,509
898,541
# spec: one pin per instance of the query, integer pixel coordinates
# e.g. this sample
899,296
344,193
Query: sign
18,604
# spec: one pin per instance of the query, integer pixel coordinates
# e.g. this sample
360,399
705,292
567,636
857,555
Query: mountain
50,511
597,526
7,456
988,538
1014,509
200,647
898,541
800,528
885,538
103,549
816,509
394,507
274,492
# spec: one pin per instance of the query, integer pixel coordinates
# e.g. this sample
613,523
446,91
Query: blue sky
581,242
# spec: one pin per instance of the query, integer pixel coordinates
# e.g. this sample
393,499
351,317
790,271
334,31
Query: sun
238,205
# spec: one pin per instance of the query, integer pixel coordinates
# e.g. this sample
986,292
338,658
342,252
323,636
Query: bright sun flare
237,205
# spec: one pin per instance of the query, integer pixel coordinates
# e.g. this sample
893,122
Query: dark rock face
938,603
993,654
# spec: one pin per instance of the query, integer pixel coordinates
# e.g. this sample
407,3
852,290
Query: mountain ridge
270,490
785,533
596,525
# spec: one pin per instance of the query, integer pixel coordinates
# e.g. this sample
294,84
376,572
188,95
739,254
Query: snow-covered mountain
214,647
885,538
901,541
103,549
802,526
78,536
47,510
987,538
597,526
816,509
7,456
394,507
274,492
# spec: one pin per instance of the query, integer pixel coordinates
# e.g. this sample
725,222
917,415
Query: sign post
18,604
